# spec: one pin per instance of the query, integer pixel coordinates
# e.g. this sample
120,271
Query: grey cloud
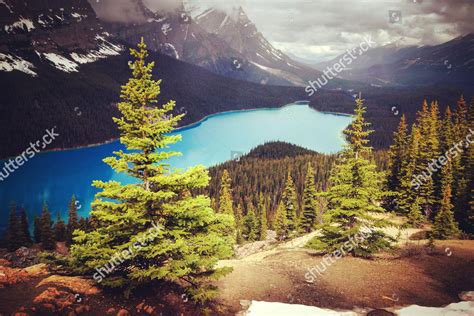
322,29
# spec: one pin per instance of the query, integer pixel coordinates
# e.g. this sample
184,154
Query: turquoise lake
55,176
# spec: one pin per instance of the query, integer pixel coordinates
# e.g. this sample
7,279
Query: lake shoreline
182,128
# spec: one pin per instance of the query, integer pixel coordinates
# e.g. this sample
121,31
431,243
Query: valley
189,157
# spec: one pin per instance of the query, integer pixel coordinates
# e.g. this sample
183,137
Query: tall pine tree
309,212
280,222
37,229
13,230
354,196
47,235
407,193
464,182
24,227
225,195
262,209
290,204
72,222
398,155
60,232
250,228
445,226
188,236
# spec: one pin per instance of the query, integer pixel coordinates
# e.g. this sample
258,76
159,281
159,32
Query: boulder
10,276
123,312
74,284
467,296
37,270
53,300
23,257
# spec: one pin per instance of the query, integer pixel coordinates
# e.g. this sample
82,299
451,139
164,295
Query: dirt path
279,275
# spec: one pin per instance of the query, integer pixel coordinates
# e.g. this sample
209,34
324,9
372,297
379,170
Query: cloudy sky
317,30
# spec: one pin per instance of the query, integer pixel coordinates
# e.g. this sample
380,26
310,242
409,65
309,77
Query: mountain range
449,63
62,66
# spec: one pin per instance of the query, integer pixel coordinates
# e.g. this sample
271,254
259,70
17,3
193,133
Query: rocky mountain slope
449,63
61,66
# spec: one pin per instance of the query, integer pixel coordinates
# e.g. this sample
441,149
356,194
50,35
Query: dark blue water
55,176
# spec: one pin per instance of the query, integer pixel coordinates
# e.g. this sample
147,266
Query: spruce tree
238,216
415,217
447,132
47,235
250,225
37,229
262,209
188,236
13,230
83,224
309,215
445,226
354,196
464,183
398,154
72,223
428,150
290,203
24,227
280,222
409,182
239,238
60,232
225,196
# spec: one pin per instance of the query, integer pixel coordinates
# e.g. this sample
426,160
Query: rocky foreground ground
264,272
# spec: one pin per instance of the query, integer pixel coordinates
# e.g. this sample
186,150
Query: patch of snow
281,74
61,18
6,4
258,308
61,63
156,20
454,309
205,13
166,28
21,24
78,16
224,22
11,62
105,49
261,56
45,20
293,66
170,46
